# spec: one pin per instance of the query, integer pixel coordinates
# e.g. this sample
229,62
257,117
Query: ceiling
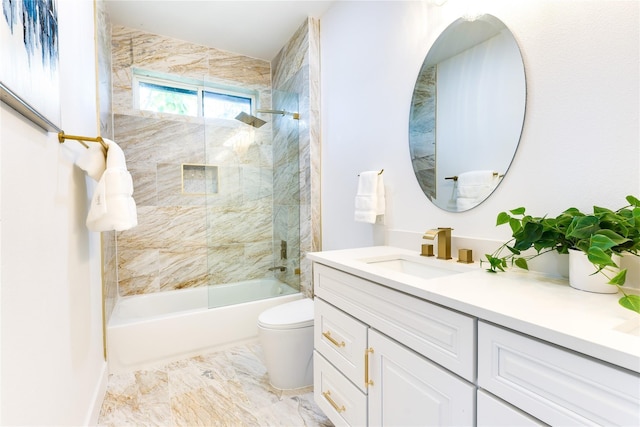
258,29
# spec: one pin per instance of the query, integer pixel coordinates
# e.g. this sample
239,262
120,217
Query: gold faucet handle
430,234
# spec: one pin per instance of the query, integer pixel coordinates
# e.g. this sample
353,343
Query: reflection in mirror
467,113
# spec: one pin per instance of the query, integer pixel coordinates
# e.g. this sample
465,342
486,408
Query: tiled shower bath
234,229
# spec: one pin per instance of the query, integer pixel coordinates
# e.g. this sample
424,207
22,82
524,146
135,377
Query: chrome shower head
250,120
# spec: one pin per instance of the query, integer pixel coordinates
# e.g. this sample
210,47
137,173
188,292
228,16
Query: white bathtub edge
143,345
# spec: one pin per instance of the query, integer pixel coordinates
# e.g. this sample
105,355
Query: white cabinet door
409,390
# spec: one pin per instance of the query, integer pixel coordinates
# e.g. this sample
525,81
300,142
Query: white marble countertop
543,307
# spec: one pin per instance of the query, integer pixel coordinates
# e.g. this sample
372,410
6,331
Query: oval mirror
467,113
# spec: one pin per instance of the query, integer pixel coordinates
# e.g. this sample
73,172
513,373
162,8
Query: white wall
53,370
580,142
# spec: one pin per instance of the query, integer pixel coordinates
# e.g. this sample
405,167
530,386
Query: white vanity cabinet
397,349
553,384
377,364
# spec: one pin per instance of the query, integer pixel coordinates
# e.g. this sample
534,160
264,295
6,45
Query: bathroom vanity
401,339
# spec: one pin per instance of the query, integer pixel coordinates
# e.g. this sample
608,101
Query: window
187,97
224,106
167,99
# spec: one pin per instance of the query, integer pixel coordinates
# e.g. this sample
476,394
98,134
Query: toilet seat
292,315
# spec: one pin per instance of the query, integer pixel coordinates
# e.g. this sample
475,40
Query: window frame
184,83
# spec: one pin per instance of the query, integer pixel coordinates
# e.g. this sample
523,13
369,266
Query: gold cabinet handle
328,336
327,395
367,381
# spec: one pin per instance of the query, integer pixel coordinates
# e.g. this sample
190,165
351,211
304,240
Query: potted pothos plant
600,235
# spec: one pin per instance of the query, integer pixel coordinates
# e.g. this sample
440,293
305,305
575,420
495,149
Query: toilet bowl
286,335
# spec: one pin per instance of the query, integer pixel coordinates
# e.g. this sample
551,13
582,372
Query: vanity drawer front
495,413
341,339
557,386
444,336
342,402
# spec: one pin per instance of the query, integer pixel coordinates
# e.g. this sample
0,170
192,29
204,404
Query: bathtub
146,330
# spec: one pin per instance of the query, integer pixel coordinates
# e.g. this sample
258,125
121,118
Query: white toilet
286,335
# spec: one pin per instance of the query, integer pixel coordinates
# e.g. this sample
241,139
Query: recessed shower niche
199,179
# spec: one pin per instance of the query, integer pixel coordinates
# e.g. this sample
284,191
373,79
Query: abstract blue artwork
29,56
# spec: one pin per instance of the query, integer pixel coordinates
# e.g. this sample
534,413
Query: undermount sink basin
426,268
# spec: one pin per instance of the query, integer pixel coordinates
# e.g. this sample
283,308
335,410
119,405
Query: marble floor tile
224,388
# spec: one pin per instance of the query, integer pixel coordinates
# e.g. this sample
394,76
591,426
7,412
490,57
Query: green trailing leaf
494,263
503,218
634,201
515,225
513,250
636,216
632,302
598,211
518,211
525,237
600,258
583,227
522,263
611,236
601,241
619,278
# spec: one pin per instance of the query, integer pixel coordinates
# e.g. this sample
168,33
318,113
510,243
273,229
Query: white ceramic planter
581,274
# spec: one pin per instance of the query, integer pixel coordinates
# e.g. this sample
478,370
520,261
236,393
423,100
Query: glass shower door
253,218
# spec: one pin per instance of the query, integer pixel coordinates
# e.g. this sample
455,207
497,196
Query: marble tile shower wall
231,229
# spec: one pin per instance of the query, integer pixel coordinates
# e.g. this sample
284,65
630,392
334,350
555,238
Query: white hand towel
476,184
115,155
92,161
112,207
464,204
370,199
118,182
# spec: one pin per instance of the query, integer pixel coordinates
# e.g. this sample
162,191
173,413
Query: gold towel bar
455,177
81,139
379,173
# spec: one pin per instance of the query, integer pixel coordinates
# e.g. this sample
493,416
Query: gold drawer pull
367,381
327,395
328,336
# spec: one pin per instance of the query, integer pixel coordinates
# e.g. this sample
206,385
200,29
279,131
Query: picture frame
29,60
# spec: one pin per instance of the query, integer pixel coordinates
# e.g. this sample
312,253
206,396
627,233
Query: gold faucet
444,241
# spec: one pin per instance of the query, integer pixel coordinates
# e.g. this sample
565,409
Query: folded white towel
115,155
112,207
118,182
476,184
92,161
464,204
370,198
